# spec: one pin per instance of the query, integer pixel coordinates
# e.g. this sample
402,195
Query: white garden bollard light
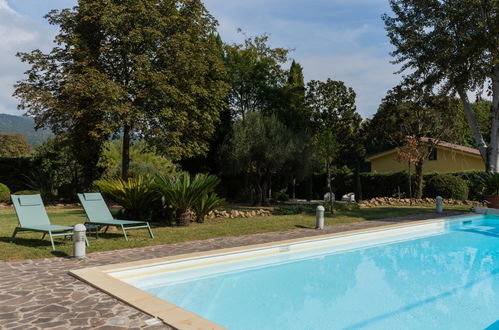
319,217
439,208
79,231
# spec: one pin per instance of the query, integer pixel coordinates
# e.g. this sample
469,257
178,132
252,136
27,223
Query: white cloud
18,33
329,40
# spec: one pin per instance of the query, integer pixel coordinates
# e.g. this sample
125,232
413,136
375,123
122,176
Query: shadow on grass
36,243
304,227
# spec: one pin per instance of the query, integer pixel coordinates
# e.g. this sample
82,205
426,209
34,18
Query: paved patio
39,294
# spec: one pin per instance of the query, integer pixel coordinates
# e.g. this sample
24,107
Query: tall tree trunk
125,157
330,187
294,188
475,127
260,190
419,178
358,183
410,184
493,157
310,187
265,191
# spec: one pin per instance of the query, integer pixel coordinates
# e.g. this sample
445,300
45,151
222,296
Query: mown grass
28,245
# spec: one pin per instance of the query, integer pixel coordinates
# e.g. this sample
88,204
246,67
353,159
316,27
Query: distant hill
24,126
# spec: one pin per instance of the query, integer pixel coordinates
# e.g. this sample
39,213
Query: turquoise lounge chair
33,217
98,214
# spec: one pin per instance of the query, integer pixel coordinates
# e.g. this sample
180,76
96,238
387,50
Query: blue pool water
448,279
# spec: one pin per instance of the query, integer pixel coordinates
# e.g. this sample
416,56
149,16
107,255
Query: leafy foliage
490,183
182,192
259,147
143,161
13,145
4,193
452,45
205,204
447,186
27,192
113,71
254,74
56,172
44,182
333,109
136,195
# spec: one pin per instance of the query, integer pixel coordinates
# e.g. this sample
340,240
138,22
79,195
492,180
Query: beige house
446,157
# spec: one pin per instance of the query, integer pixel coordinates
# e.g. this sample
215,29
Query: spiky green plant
42,181
136,195
206,204
182,193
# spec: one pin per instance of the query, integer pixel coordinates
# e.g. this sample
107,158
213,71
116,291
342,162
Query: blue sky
338,39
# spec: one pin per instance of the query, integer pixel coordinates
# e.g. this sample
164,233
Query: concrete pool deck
40,294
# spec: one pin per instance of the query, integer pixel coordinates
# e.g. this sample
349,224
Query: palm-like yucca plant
181,192
206,204
136,195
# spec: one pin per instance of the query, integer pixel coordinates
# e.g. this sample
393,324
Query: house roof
442,144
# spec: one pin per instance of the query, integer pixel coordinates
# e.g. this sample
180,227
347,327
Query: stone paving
40,294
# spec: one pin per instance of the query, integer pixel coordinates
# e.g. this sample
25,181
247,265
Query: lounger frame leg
105,230
14,234
124,232
43,236
150,230
52,240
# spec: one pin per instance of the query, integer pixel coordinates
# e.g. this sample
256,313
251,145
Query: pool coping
176,316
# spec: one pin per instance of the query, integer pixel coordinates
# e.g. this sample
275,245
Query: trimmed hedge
4,193
13,171
383,184
27,192
447,186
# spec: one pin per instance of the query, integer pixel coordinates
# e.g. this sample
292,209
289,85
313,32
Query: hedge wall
378,184
13,171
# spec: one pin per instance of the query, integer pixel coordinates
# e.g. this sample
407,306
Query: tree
453,45
13,145
334,114
411,113
411,153
259,147
255,75
142,68
327,152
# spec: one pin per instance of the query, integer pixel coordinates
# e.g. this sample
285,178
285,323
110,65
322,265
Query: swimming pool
435,275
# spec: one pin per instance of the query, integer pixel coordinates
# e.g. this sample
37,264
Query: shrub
205,205
181,192
489,183
447,186
136,195
27,192
281,196
4,193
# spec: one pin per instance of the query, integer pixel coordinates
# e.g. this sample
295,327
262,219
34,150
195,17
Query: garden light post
439,208
319,217
79,241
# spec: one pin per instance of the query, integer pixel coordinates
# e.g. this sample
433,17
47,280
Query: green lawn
29,246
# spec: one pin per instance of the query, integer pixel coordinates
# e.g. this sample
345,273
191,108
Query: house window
433,154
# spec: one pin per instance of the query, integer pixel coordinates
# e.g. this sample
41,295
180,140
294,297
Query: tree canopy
13,145
453,45
140,68
259,147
